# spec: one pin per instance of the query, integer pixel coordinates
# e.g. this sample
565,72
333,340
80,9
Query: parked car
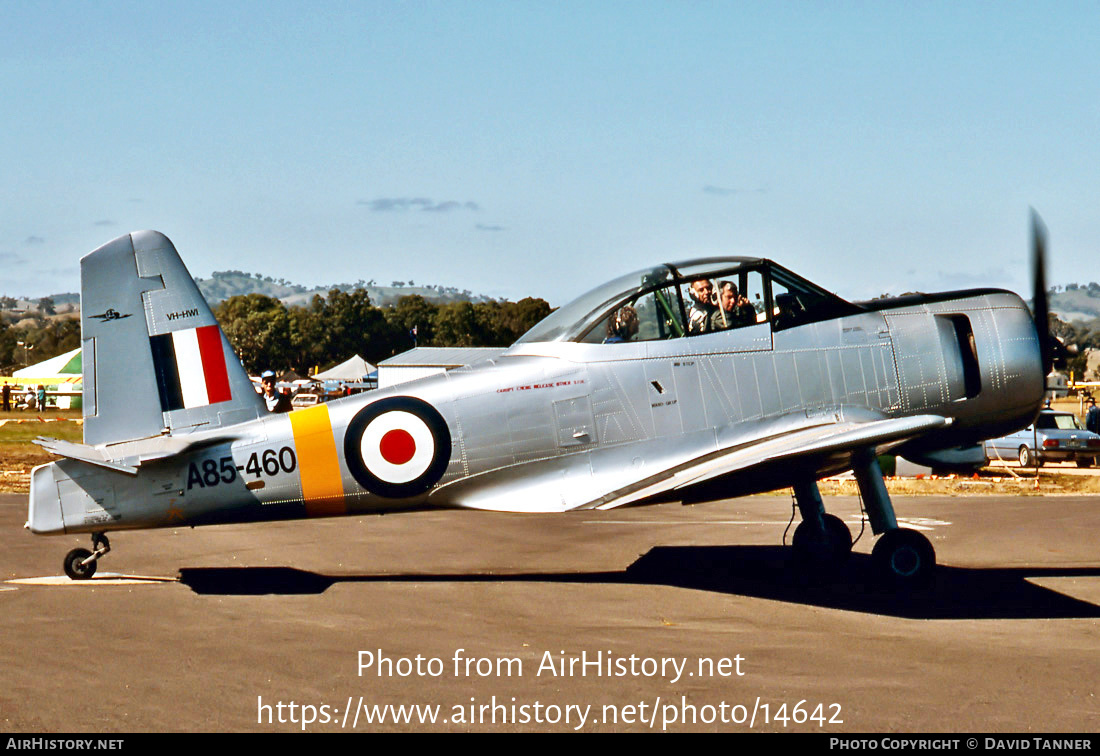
1055,437
305,400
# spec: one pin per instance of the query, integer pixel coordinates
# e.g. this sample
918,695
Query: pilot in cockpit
703,306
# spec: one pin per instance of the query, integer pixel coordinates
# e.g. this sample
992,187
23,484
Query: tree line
267,334
1083,335
36,339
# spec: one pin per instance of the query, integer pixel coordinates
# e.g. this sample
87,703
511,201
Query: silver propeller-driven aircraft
646,389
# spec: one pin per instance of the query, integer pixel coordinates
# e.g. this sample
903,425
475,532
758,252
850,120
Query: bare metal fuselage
557,426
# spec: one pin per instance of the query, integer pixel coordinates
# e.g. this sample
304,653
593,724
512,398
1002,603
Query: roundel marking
397,447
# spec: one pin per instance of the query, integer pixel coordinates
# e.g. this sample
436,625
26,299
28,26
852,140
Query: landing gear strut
904,557
821,541
80,564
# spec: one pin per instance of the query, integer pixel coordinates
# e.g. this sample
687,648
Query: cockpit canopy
684,299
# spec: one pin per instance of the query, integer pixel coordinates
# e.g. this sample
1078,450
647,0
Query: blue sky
522,148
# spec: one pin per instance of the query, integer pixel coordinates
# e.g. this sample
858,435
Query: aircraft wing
816,441
586,481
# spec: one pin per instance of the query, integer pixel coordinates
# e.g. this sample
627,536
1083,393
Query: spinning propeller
1048,344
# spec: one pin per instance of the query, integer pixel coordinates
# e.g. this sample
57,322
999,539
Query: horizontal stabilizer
128,457
83,453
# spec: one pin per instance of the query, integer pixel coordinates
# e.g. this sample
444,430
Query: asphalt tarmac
689,619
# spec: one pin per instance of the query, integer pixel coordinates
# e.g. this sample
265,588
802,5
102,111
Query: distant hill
1076,302
224,284
229,283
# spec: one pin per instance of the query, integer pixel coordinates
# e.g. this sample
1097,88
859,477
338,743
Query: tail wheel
75,567
905,558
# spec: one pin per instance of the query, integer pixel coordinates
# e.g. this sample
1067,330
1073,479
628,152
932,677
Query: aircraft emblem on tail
110,315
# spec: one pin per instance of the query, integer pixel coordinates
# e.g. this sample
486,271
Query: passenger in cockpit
734,309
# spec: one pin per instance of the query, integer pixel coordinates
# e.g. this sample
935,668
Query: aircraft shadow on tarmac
757,571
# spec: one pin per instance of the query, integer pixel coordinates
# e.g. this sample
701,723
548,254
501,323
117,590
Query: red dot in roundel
397,446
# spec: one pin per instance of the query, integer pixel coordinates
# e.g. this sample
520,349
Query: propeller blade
1039,300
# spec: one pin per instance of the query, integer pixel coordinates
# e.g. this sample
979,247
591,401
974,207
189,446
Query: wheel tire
1025,457
840,538
811,552
73,567
905,558
1084,461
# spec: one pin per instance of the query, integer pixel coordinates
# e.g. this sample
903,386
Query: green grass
17,434
19,453
69,414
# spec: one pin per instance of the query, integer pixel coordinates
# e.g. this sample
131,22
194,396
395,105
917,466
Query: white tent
62,375
59,368
353,369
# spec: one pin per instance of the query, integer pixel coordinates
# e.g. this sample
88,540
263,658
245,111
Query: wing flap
808,442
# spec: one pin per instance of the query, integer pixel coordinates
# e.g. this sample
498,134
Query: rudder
155,359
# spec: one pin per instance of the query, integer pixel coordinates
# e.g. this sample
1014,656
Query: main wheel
839,535
74,566
904,557
1085,461
811,551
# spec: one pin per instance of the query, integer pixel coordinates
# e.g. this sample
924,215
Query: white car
1055,437
304,400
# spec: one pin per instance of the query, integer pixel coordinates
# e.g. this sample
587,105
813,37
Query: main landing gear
80,564
821,542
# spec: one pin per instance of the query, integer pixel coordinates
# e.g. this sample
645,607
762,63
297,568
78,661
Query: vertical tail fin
155,360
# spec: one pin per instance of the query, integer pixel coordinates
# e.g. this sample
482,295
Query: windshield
687,299
563,323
